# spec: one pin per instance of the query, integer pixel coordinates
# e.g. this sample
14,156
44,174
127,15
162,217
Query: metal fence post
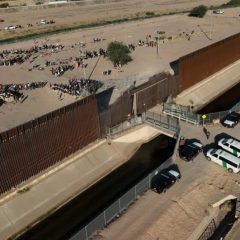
149,180
119,204
86,232
104,216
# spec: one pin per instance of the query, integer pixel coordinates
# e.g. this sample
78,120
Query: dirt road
91,11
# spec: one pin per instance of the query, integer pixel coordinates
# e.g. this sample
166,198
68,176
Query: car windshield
193,145
188,149
166,176
233,116
213,151
224,141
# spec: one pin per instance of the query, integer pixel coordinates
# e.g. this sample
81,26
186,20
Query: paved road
144,214
235,232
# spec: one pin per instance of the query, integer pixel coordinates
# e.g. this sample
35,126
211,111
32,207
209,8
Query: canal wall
204,62
206,91
41,197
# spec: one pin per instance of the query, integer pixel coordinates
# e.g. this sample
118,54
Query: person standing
206,132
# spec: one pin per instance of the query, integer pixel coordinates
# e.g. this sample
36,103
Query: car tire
208,158
230,170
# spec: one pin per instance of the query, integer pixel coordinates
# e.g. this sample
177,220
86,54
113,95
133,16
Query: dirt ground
183,215
91,11
145,60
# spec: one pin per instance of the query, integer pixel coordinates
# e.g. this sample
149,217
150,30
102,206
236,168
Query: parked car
231,120
225,159
230,145
11,27
164,180
188,149
218,11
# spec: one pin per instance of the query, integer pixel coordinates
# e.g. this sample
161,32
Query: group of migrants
93,54
11,92
19,56
60,70
78,87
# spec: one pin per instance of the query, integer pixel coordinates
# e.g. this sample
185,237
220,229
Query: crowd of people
19,56
11,92
93,54
23,86
60,70
78,87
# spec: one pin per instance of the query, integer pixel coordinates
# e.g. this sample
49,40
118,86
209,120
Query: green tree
4,5
199,11
118,53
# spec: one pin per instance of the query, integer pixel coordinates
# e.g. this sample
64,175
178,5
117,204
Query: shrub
232,3
118,53
4,5
149,14
199,11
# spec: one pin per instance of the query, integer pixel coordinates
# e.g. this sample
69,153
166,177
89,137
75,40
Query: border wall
31,148
155,91
204,62
36,145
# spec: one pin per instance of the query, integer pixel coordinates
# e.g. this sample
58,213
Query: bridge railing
124,126
184,113
166,124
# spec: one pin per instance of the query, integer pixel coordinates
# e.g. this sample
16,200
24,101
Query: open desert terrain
145,62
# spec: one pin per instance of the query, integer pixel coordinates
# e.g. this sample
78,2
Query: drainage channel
223,102
75,214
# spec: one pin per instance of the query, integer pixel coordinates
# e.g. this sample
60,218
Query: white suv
218,11
225,159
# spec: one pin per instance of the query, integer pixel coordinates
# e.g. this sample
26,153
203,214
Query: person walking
206,132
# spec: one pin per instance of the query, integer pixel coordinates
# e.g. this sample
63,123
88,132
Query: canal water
223,102
71,217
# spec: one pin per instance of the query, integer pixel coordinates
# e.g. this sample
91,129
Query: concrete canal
71,217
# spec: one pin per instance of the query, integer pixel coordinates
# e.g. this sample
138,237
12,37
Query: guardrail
185,114
124,126
166,124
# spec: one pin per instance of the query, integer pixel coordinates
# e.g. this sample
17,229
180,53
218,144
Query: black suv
231,120
188,150
162,181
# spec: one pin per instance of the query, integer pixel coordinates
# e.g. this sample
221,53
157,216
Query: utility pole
211,27
158,36
82,57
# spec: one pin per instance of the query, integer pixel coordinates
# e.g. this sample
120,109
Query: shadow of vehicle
208,147
219,136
